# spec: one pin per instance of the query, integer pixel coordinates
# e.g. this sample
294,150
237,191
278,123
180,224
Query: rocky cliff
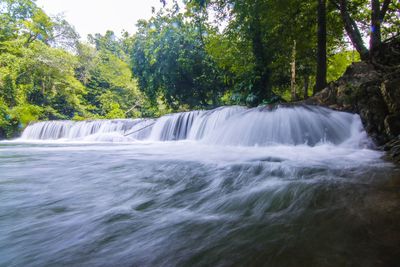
371,89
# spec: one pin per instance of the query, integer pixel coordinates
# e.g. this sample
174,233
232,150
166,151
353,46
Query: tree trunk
352,31
293,73
306,84
321,52
262,88
377,17
375,35
384,9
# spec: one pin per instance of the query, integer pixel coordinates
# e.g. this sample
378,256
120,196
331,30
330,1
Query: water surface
185,204
230,187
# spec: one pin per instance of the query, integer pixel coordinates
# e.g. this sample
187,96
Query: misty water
292,186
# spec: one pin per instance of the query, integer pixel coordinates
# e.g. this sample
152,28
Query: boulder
371,89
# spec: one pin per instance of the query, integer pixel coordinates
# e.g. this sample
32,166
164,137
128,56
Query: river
230,187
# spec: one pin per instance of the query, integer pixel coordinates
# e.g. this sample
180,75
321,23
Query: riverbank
372,90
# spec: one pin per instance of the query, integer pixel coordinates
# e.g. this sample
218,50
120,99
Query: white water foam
226,126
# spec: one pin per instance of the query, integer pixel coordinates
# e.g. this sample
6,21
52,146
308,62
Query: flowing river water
292,186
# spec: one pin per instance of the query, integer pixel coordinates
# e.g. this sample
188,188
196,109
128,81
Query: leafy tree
377,19
41,79
321,52
105,72
169,58
109,42
264,32
338,63
13,14
63,35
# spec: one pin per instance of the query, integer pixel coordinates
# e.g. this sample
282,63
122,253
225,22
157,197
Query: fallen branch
139,129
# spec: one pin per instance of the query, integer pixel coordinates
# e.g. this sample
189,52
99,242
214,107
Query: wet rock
371,89
392,125
390,90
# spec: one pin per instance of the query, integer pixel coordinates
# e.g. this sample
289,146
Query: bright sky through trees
98,16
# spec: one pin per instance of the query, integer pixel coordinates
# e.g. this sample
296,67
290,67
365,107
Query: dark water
184,204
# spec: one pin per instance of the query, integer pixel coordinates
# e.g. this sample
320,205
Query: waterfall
174,126
233,126
96,130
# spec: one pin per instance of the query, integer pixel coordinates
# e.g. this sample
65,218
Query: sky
98,16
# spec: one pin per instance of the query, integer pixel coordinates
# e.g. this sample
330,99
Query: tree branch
384,9
336,4
352,30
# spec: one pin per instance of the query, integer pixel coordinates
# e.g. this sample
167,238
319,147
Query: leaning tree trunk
352,30
321,52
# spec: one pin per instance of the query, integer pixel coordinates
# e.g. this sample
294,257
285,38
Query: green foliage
114,111
169,58
6,127
176,61
391,27
25,114
108,78
254,47
338,63
41,79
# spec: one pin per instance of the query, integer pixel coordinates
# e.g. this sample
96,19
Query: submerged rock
393,149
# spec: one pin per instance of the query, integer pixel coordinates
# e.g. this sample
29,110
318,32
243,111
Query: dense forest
199,54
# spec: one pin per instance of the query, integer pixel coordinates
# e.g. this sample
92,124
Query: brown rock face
390,90
371,89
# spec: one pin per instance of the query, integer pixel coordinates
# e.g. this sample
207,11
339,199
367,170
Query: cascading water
236,126
288,186
96,130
